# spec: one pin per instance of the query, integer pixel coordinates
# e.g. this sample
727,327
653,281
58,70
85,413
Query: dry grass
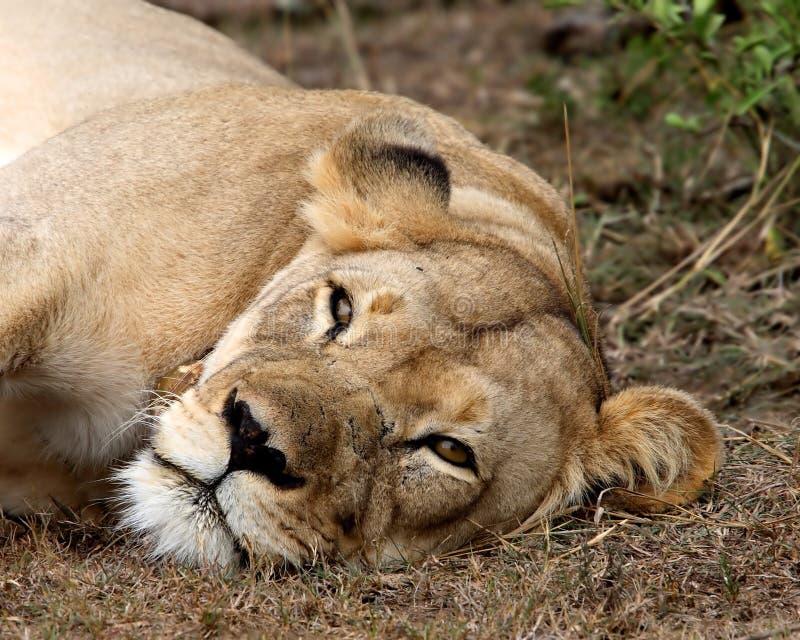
728,567
725,568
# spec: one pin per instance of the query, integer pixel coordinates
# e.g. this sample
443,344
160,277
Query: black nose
249,451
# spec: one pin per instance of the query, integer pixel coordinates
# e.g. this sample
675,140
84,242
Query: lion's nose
249,451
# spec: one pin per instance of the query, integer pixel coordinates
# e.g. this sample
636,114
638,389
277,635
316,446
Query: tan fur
62,61
223,219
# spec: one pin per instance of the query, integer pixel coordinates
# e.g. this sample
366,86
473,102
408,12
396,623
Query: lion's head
413,377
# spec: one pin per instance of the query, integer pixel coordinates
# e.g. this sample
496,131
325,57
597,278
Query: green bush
748,70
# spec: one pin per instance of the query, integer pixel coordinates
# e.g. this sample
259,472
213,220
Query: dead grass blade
773,633
763,445
583,312
348,35
705,254
594,541
576,254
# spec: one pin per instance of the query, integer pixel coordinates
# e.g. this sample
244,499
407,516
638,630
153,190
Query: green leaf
750,40
701,7
753,98
581,200
790,98
712,26
558,4
666,12
716,276
768,7
764,58
692,123
783,50
774,244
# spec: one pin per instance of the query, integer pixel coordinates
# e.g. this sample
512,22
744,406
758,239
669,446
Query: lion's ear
381,178
656,441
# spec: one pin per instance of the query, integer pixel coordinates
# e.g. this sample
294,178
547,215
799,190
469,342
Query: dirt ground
647,197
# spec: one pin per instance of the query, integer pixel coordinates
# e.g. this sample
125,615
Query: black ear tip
381,148
421,164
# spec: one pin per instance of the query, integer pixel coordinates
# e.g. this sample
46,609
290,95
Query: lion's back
62,77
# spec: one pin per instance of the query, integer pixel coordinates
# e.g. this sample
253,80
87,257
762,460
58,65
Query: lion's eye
452,451
341,310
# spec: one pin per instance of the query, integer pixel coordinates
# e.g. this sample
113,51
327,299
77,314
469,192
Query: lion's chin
176,516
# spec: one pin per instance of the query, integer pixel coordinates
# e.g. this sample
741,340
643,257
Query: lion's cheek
268,522
425,498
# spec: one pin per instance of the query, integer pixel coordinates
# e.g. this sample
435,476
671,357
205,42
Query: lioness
391,362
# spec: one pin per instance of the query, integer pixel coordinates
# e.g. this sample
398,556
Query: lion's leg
33,483
64,417
70,385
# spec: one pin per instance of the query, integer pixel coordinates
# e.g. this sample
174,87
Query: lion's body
131,242
61,62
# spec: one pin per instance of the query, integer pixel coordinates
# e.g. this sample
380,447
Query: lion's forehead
441,288
434,328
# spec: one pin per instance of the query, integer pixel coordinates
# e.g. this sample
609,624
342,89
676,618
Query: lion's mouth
176,515
224,522
213,488
207,501
208,505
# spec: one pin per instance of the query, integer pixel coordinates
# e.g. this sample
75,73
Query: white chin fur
176,518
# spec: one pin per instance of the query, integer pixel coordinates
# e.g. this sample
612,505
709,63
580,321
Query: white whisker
143,417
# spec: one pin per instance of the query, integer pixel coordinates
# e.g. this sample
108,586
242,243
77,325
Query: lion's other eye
341,310
452,451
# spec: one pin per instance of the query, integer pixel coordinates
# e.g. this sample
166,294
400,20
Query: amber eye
451,451
341,310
